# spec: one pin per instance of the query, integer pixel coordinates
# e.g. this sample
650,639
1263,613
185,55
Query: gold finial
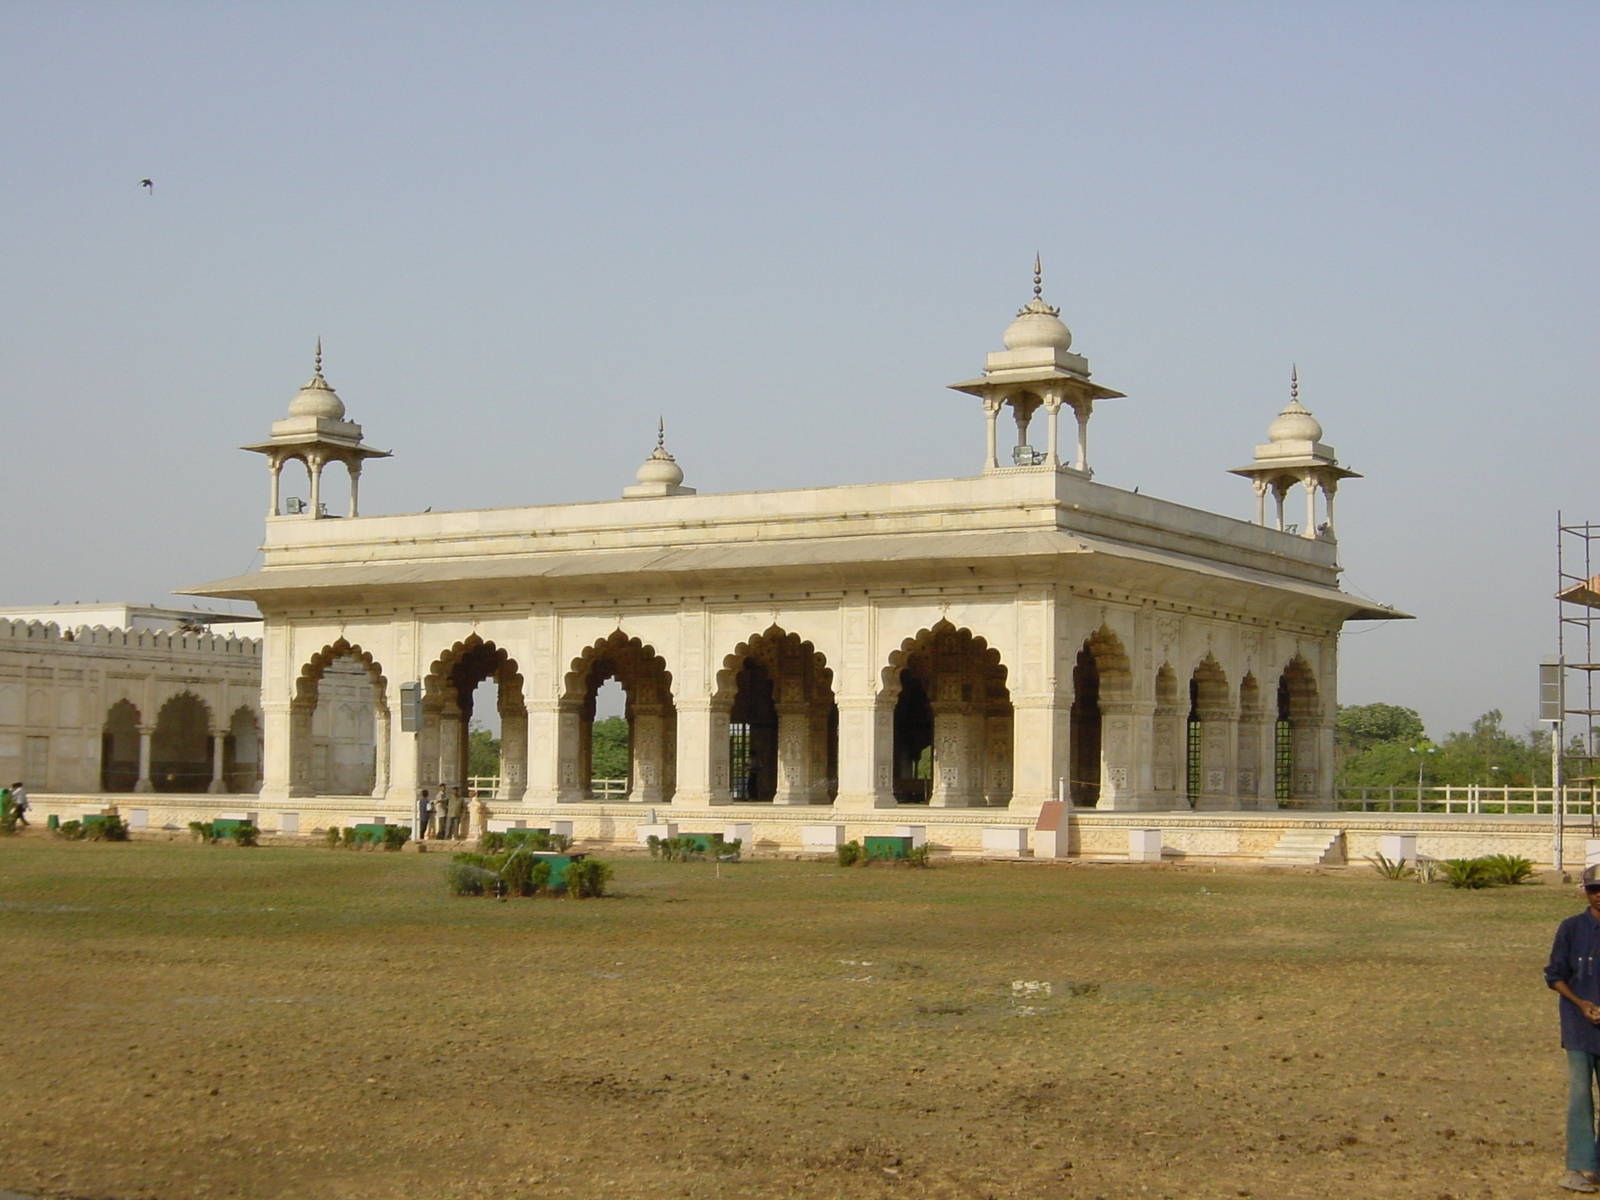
1294,383
318,357
1038,277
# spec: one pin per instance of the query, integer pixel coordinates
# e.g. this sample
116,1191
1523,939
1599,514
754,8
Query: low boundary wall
1087,834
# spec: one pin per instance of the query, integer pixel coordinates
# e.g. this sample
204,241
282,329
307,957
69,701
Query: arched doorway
119,748
1208,747
339,725
649,711
1101,737
449,697
953,720
181,746
1295,757
242,751
783,724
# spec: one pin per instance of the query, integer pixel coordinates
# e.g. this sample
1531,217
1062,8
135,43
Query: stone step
1308,848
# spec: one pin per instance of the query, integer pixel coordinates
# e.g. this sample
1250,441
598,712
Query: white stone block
138,818
1402,847
742,832
561,829
1591,852
288,822
662,830
1050,843
1007,840
502,825
1144,845
917,833
821,837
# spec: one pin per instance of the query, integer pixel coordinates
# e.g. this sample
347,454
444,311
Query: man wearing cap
1573,974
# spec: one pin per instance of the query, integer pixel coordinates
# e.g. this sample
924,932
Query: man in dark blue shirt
1573,973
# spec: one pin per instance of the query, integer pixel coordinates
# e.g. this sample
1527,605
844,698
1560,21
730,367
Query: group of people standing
443,815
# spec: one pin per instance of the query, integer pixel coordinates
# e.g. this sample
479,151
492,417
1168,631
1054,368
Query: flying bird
149,184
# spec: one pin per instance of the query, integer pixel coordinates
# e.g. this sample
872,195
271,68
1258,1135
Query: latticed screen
739,758
1192,760
1282,760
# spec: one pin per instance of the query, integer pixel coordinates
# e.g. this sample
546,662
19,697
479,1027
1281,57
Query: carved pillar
1052,408
820,770
1119,760
572,769
1166,756
1260,486
794,753
276,468
954,785
1219,748
645,749
702,754
997,740
1256,778
146,732
991,414
451,732
1310,484
381,729
866,753
314,465
1081,410
513,754
218,780
354,466
1329,487
276,750
301,743
427,769
1280,491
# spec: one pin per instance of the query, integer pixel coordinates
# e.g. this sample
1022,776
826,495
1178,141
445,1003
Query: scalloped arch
889,677
757,646
617,644
311,674
507,672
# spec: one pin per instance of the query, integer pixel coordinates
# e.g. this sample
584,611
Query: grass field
187,1021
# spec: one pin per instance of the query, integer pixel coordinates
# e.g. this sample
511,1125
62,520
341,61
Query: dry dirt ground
188,1021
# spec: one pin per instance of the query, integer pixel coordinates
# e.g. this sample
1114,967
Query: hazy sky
524,231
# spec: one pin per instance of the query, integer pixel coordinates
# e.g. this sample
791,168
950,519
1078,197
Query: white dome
317,399
660,467
1294,424
1038,326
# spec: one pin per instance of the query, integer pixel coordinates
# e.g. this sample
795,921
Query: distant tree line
1384,745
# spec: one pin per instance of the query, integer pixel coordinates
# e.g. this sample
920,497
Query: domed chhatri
1294,423
317,398
1038,325
1294,455
1036,371
660,474
315,433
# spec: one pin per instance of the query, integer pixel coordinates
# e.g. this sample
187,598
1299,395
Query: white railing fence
1470,799
487,787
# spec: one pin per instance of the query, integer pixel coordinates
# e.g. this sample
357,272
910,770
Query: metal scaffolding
1571,694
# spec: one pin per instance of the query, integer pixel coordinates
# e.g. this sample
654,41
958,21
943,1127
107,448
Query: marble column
146,733
219,781
794,753
646,751
866,753
702,754
513,754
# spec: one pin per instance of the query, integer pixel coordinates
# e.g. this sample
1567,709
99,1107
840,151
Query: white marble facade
991,641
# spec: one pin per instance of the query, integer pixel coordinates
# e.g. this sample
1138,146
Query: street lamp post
1422,753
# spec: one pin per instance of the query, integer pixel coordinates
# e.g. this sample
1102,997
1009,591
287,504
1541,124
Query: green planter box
702,841
365,833
887,847
219,829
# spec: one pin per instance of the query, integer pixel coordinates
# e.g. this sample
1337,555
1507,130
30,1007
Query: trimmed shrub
465,879
71,830
202,831
106,829
246,836
490,842
332,835
395,836
918,856
850,854
587,878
